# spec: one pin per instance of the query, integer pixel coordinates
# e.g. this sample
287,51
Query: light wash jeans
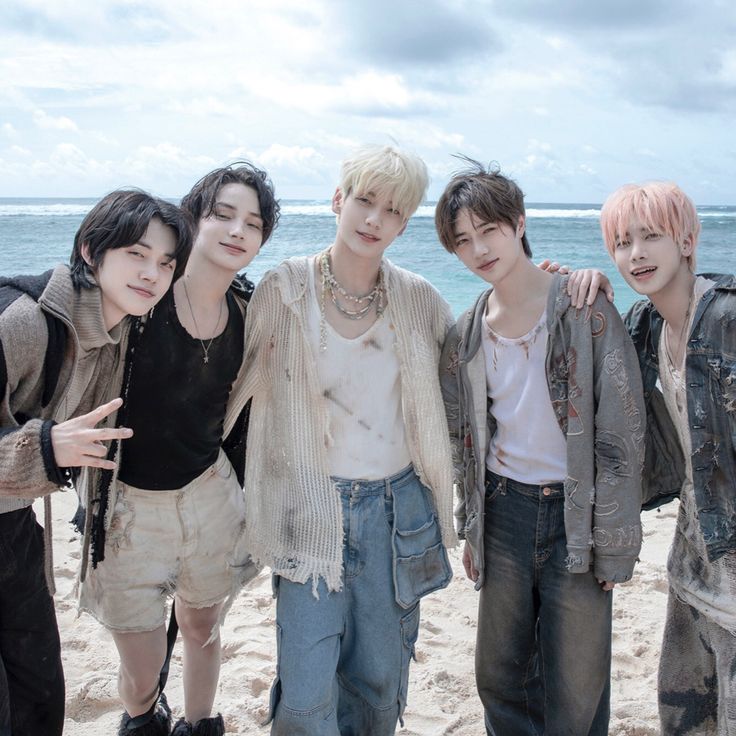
543,656
343,657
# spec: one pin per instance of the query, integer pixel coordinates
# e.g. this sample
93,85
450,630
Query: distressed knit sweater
88,377
293,511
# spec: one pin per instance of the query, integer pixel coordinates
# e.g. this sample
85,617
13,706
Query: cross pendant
206,359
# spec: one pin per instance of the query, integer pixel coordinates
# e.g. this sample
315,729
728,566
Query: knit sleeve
27,466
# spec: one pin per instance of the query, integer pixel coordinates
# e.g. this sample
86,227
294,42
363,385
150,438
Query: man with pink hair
685,337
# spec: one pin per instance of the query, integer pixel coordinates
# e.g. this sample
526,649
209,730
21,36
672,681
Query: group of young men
140,373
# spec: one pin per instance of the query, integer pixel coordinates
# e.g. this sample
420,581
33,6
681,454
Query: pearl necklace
363,303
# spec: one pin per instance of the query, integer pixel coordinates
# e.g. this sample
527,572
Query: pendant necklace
205,347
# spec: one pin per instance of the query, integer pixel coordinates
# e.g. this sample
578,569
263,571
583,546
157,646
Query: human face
133,278
649,260
231,236
367,222
488,249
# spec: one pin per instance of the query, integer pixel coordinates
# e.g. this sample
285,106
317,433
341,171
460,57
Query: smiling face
368,222
231,236
649,260
133,278
490,250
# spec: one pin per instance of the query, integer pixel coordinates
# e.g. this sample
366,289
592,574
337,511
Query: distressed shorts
165,542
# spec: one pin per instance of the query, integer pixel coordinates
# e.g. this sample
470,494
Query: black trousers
31,676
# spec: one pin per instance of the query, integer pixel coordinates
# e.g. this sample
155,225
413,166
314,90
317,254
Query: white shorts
165,542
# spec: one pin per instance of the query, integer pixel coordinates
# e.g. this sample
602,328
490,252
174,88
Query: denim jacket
595,390
711,407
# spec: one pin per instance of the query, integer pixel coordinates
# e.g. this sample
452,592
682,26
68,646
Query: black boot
158,725
182,728
204,727
209,727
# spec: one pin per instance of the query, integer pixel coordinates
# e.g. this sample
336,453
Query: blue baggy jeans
343,657
543,654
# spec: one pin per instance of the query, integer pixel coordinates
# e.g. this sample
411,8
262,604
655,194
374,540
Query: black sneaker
158,724
209,727
205,727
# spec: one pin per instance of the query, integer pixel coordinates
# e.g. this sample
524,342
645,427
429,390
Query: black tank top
176,403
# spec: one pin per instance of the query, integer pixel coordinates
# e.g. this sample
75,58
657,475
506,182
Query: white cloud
48,122
9,130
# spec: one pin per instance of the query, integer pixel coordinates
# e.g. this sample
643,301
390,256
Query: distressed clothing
234,432
708,586
176,403
87,350
528,444
711,410
86,358
697,674
293,515
595,390
343,658
543,653
165,542
361,379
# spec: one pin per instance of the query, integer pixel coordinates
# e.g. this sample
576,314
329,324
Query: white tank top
361,382
528,445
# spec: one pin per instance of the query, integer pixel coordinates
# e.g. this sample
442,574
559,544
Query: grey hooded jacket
595,388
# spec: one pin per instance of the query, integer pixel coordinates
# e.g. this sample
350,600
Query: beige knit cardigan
293,512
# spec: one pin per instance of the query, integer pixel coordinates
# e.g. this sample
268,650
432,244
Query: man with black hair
62,336
176,507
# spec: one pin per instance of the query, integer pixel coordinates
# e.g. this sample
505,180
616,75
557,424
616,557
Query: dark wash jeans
543,655
31,677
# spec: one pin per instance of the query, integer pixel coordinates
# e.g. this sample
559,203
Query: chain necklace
363,303
205,348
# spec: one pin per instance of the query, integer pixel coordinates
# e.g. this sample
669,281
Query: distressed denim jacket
711,407
595,389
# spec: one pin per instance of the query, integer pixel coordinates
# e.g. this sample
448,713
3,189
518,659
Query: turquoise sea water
35,234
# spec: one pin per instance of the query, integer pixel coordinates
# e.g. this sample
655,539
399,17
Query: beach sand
442,696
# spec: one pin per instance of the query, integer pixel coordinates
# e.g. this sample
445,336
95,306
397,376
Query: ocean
36,234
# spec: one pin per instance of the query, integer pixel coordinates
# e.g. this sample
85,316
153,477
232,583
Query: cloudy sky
572,97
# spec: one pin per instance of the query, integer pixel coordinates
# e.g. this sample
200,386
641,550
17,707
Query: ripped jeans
543,654
343,658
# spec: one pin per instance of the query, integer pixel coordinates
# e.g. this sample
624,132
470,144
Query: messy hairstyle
120,219
387,170
659,205
487,194
200,202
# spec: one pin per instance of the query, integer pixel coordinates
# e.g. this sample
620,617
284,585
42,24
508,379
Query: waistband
221,461
11,521
361,487
543,492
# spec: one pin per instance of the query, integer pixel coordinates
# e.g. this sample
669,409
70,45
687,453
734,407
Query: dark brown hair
200,202
487,194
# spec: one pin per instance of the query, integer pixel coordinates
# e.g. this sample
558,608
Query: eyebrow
230,207
171,255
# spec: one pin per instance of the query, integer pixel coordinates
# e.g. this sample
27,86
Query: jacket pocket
419,558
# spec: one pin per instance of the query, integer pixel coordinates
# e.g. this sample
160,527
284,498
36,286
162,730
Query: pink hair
661,206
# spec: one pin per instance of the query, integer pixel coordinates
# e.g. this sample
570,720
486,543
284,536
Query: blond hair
389,171
659,205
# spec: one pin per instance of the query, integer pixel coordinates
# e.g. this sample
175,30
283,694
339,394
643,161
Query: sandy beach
442,696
